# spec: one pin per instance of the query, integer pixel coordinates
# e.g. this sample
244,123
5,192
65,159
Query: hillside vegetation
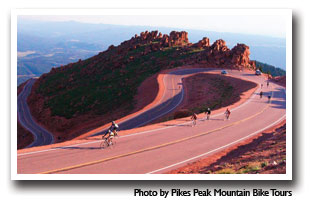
107,83
269,69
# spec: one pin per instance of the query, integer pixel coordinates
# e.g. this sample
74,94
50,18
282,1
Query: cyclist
194,118
112,132
113,127
110,136
227,113
208,112
261,94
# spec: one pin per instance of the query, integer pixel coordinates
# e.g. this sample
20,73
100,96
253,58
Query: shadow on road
180,125
79,148
213,119
150,115
278,100
280,103
249,74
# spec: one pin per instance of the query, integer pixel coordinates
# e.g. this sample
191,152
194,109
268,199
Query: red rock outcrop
240,55
178,38
173,39
217,54
205,42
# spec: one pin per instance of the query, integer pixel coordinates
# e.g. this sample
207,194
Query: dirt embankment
24,137
20,88
209,90
75,127
280,80
262,154
213,90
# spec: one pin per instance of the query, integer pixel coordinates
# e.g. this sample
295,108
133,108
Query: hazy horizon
43,44
270,26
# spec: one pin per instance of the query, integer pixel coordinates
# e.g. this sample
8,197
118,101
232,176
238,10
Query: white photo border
286,13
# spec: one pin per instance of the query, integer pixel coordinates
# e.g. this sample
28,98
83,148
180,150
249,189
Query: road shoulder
264,153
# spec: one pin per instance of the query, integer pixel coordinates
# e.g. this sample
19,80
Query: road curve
41,135
172,97
169,147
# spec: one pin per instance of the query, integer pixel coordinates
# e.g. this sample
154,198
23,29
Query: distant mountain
59,43
37,55
269,69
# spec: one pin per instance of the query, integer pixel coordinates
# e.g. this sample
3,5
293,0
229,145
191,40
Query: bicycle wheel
113,143
103,144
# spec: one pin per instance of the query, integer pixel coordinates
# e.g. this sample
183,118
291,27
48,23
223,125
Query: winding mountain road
168,147
41,135
172,97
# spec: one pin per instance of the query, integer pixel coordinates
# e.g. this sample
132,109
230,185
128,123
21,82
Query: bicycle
106,143
194,118
227,114
193,122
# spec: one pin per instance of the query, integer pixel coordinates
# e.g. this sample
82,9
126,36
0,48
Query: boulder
205,42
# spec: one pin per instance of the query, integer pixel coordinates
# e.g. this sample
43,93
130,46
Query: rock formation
205,42
240,55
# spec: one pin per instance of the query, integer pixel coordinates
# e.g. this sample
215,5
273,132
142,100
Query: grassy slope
97,86
222,90
212,91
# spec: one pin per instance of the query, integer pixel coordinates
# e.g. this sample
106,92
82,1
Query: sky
268,25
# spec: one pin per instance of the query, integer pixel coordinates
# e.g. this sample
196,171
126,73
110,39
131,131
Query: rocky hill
105,84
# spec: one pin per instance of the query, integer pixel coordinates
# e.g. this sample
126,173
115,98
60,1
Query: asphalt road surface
41,135
169,147
173,96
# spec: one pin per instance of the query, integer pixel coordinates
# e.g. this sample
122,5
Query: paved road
41,135
166,148
172,97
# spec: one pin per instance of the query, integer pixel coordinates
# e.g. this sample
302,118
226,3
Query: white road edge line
59,148
227,145
143,132
141,112
182,97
